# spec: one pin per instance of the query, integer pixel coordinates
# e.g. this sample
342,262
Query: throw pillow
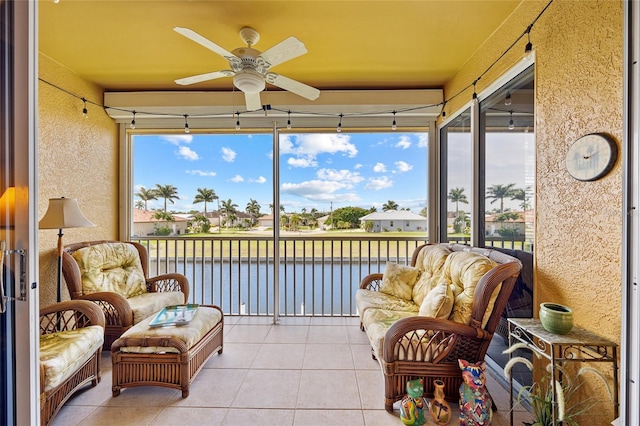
438,303
398,280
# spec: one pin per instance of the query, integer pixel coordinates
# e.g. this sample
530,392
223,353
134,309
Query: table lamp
63,213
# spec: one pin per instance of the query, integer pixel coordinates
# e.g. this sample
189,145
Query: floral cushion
147,304
438,303
366,299
376,323
398,280
111,267
203,321
63,353
430,261
463,270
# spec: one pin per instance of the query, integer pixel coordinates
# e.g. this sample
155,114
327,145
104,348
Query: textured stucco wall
78,158
579,89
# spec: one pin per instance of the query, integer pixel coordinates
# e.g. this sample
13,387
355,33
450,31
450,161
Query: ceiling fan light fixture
249,81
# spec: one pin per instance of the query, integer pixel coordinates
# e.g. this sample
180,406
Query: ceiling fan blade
204,77
253,101
293,86
190,34
284,51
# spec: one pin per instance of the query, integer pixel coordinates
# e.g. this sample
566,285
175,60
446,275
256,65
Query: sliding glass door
19,390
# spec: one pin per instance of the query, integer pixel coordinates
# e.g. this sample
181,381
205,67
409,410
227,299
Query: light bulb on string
85,113
511,125
186,124
393,125
529,47
507,99
237,121
289,120
339,128
133,121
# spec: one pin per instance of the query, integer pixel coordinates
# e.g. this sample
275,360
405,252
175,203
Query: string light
507,99
528,53
511,125
529,47
393,125
186,124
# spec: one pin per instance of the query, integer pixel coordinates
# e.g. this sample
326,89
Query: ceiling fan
250,68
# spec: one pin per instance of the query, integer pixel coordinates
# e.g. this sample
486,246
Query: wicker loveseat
445,306
114,275
71,336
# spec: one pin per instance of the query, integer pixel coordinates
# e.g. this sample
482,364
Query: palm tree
253,208
456,195
229,209
146,195
168,192
164,217
500,192
139,204
390,205
520,194
205,195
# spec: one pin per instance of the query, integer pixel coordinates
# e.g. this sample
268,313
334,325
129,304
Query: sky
321,170
317,170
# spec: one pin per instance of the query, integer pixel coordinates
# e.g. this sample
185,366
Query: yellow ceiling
125,45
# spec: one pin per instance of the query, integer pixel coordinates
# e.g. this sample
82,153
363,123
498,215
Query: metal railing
318,274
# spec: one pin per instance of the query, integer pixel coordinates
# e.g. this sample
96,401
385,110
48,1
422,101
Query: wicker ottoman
166,356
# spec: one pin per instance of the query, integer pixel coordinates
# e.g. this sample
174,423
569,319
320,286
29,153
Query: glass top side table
578,345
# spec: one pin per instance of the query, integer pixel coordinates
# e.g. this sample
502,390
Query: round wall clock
591,157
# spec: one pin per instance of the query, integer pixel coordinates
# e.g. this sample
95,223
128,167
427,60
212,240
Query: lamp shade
64,213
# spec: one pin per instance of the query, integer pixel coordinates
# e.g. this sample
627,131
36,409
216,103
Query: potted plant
570,403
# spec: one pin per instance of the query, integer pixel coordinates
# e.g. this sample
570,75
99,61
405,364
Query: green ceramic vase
556,318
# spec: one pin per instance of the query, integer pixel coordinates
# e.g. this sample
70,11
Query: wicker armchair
118,310
442,341
68,335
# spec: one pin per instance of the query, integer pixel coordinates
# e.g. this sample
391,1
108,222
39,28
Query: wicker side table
145,356
576,346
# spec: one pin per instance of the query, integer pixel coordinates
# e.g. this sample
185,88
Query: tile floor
304,371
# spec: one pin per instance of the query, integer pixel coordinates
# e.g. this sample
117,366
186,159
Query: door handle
3,298
22,274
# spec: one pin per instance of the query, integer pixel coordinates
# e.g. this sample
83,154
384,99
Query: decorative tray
174,315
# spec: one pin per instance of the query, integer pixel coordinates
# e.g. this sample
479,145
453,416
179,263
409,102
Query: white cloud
357,166
237,178
320,190
200,173
305,148
286,145
345,176
228,154
423,140
302,162
404,142
403,166
379,168
260,179
379,183
177,139
187,153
